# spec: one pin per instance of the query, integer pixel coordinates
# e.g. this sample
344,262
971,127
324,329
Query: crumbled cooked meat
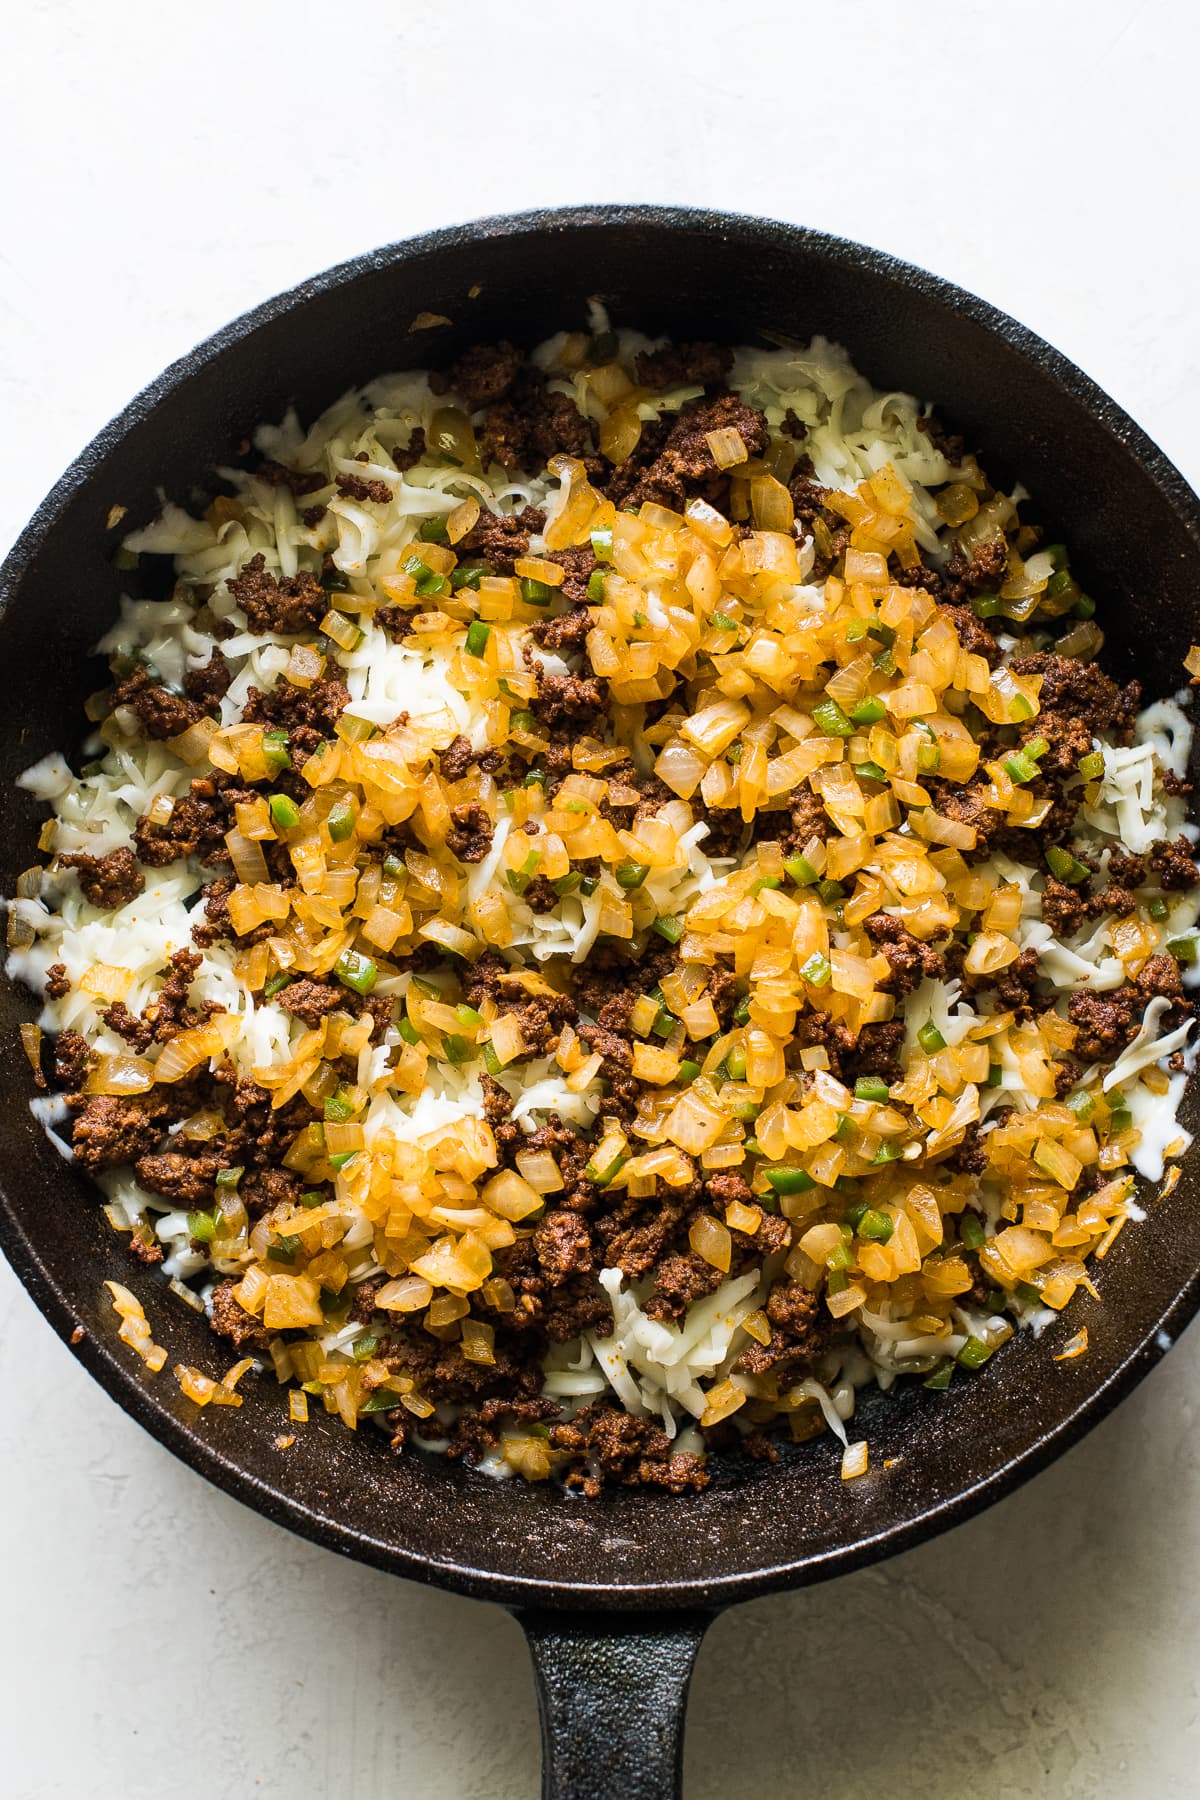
107,881
1062,907
1174,864
114,1129
1014,986
631,1452
58,982
500,539
287,607
726,827
679,1281
458,759
1160,975
683,365
162,714
571,701
563,1245
532,424
187,1180
358,487
470,834
973,634
397,621
309,714
1126,871
208,683
951,446
1106,1022
877,1052
683,466
196,827
807,819
485,374
312,1001
71,1054
263,1189
413,451
910,961
984,571
564,633
1078,703
540,1016
230,1319
800,1330
298,481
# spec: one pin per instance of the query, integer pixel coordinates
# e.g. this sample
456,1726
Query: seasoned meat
631,1452
287,607
230,1319
114,1129
683,466
911,962
162,714
107,881
683,365
470,834
1078,703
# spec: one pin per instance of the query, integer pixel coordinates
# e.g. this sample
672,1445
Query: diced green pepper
829,718
478,633
877,1227
789,1181
973,1354
467,575
816,971
868,712
631,875
536,593
870,1087
970,1231
800,870
341,821
356,971
1021,768
285,814
669,928
1064,866
930,1039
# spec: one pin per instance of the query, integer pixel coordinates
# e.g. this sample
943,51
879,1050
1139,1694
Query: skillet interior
1135,531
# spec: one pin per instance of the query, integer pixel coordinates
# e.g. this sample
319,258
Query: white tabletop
165,169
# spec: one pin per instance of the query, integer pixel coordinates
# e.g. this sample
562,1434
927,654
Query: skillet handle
611,1694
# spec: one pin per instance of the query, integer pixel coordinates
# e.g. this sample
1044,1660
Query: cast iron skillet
614,1593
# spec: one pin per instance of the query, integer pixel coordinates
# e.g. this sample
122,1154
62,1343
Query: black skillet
614,1593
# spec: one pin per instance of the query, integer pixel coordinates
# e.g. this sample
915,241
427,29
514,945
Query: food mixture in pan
609,904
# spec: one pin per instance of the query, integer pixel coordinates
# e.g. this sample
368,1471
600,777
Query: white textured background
167,167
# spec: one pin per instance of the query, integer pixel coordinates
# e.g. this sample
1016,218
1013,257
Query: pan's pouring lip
128,1386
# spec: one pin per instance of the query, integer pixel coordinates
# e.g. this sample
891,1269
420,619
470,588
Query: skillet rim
121,1379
